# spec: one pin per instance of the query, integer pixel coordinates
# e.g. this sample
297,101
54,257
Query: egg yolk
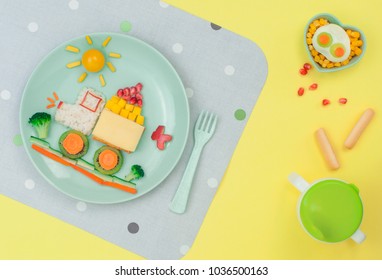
93,60
337,50
324,39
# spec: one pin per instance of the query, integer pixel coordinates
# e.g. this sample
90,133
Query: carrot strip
50,106
88,174
50,155
50,100
55,95
120,187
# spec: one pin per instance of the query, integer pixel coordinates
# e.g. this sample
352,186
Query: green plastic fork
203,131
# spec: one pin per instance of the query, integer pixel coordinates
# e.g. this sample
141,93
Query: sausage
359,127
326,149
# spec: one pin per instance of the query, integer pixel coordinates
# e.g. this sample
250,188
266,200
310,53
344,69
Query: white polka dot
177,48
184,249
212,182
29,184
5,94
81,206
189,92
73,4
33,27
229,70
163,4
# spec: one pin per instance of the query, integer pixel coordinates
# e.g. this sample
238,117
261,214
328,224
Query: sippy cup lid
331,210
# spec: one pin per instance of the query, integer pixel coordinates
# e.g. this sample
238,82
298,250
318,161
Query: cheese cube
129,107
122,103
116,108
137,110
124,113
140,120
114,99
132,117
109,104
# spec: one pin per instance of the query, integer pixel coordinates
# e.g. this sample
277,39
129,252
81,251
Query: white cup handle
358,236
297,181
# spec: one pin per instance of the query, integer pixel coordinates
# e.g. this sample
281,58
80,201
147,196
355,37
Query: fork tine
210,121
199,120
205,121
213,124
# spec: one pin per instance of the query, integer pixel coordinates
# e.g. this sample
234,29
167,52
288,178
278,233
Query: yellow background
253,215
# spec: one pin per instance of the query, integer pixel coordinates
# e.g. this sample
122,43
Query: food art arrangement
331,210
117,122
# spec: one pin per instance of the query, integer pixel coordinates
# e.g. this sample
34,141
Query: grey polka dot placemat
221,71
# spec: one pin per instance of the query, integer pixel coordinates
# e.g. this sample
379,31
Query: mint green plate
165,103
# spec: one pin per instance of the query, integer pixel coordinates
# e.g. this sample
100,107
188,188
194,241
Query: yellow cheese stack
120,107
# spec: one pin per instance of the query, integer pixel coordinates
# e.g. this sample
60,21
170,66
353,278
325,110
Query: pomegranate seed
300,91
133,91
139,96
303,71
133,100
140,102
120,92
307,66
313,86
126,97
139,87
343,100
126,91
325,102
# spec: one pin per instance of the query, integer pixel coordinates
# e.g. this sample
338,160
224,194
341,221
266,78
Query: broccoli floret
41,122
136,173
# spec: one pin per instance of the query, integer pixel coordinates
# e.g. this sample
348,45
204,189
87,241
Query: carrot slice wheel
108,159
73,143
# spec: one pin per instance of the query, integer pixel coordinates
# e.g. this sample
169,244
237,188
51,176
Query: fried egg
332,41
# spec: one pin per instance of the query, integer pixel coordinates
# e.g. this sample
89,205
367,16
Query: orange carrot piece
50,155
50,106
73,143
50,100
88,174
108,159
120,187
55,95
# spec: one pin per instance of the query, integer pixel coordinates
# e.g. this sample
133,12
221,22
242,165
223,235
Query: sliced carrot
88,174
55,95
73,143
108,159
50,100
50,155
50,106
120,187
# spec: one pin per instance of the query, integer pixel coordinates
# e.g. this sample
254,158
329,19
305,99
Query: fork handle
179,202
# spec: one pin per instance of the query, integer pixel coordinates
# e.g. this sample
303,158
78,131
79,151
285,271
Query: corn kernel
140,120
116,109
358,43
322,56
345,62
352,53
330,65
309,41
122,103
309,35
314,52
316,22
316,58
348,31
310,47
129,107
355,34
114,99
124,113
357,51
132,116
322,21
337,64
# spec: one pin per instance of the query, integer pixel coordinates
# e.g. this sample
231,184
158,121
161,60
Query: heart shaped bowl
351,30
